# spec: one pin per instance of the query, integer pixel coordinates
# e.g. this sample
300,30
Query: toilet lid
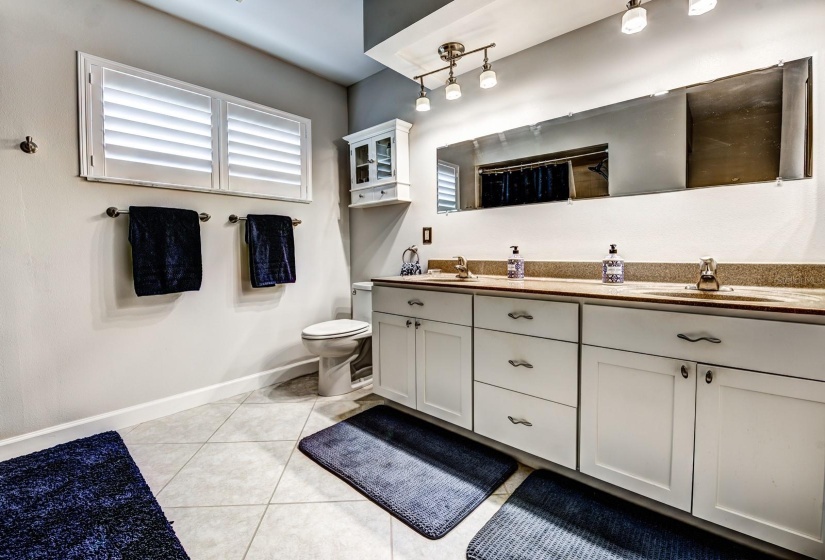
335,329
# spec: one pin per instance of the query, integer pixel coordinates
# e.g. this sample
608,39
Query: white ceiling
325,37
513,25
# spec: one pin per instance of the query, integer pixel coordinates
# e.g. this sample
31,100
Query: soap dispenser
515,265
613,267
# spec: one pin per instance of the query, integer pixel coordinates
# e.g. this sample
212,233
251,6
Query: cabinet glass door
361,154
384,157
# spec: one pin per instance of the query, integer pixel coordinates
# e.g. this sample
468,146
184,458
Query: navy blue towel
271,250
166,250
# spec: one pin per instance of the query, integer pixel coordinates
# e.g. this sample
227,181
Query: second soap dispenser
515,265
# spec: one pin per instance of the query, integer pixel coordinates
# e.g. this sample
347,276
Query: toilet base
335,377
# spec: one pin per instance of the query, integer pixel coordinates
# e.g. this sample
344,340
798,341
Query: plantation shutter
447,187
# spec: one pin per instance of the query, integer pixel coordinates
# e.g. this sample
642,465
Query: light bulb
453,90
699,7
487,79
635,19
422,103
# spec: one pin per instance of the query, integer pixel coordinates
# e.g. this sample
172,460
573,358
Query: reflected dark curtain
546,183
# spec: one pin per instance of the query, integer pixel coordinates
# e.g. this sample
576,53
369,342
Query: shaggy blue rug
85,499
426,476
554,518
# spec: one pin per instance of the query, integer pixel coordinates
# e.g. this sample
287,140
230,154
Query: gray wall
74,339
593,67
385,18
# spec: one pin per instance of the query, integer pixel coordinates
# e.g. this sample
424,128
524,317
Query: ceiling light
423,102
488,76
699,7
635,18
453,89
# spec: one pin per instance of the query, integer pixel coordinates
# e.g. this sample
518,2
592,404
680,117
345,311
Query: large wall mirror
749,128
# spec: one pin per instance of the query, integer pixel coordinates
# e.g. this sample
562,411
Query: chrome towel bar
114,212
235,219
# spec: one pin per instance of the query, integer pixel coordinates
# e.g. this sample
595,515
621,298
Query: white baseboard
125,417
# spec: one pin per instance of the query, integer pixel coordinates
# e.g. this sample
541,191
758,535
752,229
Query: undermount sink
743,296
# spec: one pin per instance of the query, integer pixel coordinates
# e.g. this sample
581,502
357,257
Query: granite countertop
745,298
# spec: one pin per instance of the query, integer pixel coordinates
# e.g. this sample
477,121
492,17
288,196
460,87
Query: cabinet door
444,371
361,164
760,456
637,423
393,358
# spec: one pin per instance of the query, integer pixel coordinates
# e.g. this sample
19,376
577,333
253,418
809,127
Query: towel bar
235,219
113,212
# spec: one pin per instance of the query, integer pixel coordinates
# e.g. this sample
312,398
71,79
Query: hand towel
271,250
166,250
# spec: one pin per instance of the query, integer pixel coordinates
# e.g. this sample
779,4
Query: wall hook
28,145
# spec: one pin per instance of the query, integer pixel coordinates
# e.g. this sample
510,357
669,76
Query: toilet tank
362,301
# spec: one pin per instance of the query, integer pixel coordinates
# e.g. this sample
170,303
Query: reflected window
447,186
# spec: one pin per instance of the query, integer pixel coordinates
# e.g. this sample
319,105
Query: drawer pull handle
520,316
415,302
522,422
515,363
707,338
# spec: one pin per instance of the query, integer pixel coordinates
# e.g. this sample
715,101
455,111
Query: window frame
89,107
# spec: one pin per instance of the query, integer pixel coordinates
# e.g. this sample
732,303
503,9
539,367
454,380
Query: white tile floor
231,478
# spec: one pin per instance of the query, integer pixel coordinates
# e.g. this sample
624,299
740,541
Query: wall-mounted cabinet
380,165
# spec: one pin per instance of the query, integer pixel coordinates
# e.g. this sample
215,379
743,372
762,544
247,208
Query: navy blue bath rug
85,499
426,476
553,518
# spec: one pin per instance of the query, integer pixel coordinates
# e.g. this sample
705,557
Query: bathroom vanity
690,402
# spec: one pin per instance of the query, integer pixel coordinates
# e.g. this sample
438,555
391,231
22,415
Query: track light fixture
635,18
451,53
423,102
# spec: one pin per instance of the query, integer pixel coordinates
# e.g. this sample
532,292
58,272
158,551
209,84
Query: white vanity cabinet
758,461
380,165
760,456
637,420
422,351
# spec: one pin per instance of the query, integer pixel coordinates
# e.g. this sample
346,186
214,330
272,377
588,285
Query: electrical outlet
428,236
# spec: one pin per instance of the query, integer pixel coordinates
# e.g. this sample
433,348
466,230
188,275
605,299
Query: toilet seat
335,329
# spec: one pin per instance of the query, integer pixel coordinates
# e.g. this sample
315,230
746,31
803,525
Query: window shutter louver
447,187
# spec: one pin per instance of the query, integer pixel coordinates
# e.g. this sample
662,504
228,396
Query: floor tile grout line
237,406
275,504
275,489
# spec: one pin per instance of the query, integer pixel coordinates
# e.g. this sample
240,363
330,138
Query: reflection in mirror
749,128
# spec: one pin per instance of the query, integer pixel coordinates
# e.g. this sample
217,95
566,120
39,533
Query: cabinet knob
709,377
417,324
409,323
360,196
521,421
685,372
370,161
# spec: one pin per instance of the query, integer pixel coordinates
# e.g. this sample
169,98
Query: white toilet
344,346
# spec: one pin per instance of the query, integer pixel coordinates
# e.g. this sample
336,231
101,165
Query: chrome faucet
463,269
708,282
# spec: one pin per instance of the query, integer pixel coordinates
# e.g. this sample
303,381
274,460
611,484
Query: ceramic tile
407,544
306,481
300,389
228,474
339,530
215,533
237,399
159,462
517,478
195,425
326,414
264,422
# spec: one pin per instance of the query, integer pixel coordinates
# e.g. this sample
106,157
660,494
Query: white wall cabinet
760,456
637,423
426,365
380,165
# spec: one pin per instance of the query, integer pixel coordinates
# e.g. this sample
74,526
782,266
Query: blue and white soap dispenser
515,265
613,267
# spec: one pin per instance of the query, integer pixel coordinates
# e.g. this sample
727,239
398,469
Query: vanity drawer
384,193
554,372
424,304
792,349
362,196
547,319
552,435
